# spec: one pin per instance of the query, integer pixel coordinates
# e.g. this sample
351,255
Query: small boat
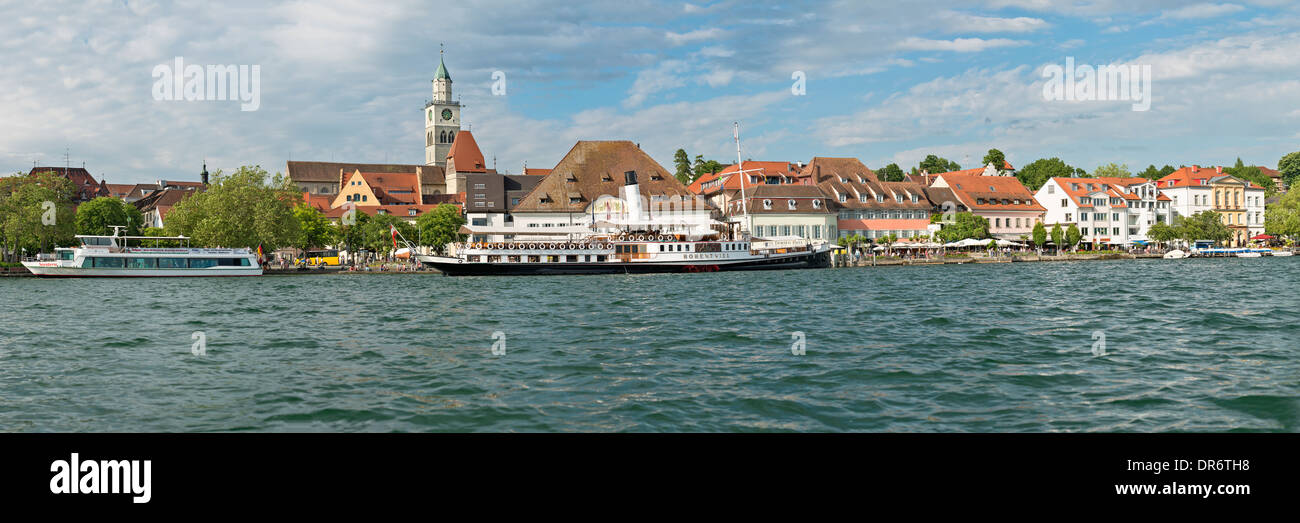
1249,255
1175,255
112,256
402,254
1283,253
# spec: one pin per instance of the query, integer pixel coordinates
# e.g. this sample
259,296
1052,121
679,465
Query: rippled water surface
1191,345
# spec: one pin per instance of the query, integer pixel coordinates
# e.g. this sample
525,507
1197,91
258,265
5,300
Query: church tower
441,118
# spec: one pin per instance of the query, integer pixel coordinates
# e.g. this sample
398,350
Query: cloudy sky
885,81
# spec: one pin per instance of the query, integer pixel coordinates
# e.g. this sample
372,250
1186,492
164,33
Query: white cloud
1205,10
960,45
958,22
698,35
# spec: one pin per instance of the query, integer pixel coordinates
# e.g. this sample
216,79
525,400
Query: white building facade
1107,211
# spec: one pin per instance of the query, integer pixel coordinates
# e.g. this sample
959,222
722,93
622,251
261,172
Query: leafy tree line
686,172
1204,225
36,214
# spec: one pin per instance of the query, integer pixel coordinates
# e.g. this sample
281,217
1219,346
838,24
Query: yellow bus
321,257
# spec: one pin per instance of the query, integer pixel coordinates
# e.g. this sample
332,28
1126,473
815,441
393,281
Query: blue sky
885,81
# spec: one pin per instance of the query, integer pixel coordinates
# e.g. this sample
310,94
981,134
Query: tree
36,213
1289,166
936,165
240,210
158,231
1283,217
1112,170
351,229
1253,175
683,164
1039,235
1037,172
315,230
1073,236
1058,236
965,225
94,217
703,166
891,173
441,226
996,158
1163,233
377,235
1204,225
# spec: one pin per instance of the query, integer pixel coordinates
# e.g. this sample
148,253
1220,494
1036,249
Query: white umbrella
878,248
1009,243
972,242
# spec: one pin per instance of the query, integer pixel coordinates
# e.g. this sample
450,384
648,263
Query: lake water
1189,345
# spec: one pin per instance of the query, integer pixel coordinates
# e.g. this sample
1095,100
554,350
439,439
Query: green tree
1112,170
703,166
1163,233
1282,218
158,231
1058,236
1040,235
1289,166
351,231
441,226
315,230
36,214
377,235
1036,173
1073,236
996,158
1254,175
936,165
94,217
891,173
965,225
240,210
683,164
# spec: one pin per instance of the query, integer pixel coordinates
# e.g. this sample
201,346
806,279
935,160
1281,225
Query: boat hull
45,270
812,260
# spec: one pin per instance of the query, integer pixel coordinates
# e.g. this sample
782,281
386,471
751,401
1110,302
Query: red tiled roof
466,154
394,188
1192,176
1089,186
402,211
972,188
732,182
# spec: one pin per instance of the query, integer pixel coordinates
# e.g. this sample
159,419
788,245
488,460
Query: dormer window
992,189
791,203
844,180
880,198
898,198
862,198
767,204
915,198
843,197
817,204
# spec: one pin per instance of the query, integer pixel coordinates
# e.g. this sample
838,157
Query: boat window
65,255
232,262
141,263
114,263
202,263
171,263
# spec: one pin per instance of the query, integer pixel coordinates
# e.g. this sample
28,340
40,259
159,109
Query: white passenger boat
113,256
1282,253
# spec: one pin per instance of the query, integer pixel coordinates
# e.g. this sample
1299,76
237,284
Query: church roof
442,71
465,153
595,168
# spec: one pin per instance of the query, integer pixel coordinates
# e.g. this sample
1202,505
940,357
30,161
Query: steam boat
617,237
111,256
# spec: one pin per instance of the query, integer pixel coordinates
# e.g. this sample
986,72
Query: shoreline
837,262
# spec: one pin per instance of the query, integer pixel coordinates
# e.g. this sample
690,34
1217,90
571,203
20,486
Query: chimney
1196,168
1218,169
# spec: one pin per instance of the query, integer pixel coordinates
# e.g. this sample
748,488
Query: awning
1262,237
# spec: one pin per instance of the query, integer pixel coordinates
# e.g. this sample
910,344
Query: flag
259,253
394,231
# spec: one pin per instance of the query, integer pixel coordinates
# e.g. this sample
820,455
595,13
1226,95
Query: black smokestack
629,178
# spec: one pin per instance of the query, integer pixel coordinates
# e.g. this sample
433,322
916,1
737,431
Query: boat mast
740,170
